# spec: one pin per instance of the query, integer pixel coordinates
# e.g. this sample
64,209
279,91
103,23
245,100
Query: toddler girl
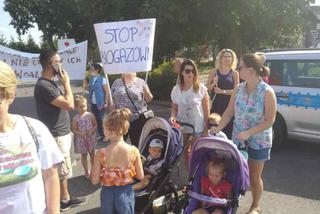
215,185
84,127
116,166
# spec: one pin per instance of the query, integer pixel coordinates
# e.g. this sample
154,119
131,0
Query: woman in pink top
116,166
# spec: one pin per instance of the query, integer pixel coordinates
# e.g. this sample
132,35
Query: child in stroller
214,185
152,164
236,172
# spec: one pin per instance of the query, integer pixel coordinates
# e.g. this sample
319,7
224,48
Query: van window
294,73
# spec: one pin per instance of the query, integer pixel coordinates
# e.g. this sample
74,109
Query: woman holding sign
133,93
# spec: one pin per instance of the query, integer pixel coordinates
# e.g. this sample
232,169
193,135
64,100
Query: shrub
161,81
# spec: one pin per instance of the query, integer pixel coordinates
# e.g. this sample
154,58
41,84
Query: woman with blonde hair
221,82
190,102
29,179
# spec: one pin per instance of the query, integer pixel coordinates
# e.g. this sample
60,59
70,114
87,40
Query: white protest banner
126,46
65,43
27,67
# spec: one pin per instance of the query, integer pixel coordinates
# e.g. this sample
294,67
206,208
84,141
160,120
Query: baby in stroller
152,164
214,185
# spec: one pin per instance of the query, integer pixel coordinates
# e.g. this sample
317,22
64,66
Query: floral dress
84,144
250,112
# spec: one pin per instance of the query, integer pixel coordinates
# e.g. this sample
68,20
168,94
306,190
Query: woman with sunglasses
253,106
190,102
98,94
221,83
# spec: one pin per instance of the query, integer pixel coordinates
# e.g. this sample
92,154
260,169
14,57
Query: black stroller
160,188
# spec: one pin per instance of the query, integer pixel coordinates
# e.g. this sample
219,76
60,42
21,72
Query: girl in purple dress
84,127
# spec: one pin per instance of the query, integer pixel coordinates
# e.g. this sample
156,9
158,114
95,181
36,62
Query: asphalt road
291,177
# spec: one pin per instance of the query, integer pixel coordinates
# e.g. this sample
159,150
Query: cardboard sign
65,43
28,68
126,46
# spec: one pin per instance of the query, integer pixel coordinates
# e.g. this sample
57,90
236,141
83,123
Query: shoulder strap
32,132
125,86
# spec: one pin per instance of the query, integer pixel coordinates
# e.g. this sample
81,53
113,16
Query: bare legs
256,183
64,193
84,162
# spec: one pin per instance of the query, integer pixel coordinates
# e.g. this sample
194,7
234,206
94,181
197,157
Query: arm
174,112
52,189
107,99
96,169
138,166
205,106
65,102
85,84
147,93
270,105
74,127
211,80
228,113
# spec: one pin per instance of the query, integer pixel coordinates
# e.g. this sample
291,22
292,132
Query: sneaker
73,202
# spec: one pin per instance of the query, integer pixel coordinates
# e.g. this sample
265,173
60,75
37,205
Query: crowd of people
243,112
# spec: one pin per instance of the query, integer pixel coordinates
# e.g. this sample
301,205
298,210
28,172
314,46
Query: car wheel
279,132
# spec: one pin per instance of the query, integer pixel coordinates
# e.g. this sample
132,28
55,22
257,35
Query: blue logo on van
298,100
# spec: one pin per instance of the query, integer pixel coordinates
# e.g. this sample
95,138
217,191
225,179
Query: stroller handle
183,124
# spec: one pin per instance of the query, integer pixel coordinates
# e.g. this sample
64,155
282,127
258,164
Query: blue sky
7,30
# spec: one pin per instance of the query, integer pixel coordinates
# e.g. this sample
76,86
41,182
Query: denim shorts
260,154
117,199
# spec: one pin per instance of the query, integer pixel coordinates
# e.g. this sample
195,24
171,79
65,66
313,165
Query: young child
84,127
116,165
214,120
214,185
152,164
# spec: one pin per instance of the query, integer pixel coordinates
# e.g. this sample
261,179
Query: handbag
143,116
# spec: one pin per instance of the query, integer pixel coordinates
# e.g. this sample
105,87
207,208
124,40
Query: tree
242,25
3,40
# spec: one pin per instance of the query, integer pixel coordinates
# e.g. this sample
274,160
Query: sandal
254,211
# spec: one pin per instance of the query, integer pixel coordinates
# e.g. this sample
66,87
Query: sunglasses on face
188,71
213,125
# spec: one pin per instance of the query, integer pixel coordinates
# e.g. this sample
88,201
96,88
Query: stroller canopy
225,147
159,126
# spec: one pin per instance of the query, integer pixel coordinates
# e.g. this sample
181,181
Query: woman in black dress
221,83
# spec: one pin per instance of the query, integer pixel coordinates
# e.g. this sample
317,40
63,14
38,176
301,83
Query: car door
297,87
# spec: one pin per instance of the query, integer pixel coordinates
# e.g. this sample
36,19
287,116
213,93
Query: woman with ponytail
116,166
253,106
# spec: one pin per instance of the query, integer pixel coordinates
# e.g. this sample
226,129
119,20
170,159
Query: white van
295,77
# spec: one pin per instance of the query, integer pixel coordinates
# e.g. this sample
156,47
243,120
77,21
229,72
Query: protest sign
126,46
65,43
28,68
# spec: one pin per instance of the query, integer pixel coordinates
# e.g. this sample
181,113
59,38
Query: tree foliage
238,24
